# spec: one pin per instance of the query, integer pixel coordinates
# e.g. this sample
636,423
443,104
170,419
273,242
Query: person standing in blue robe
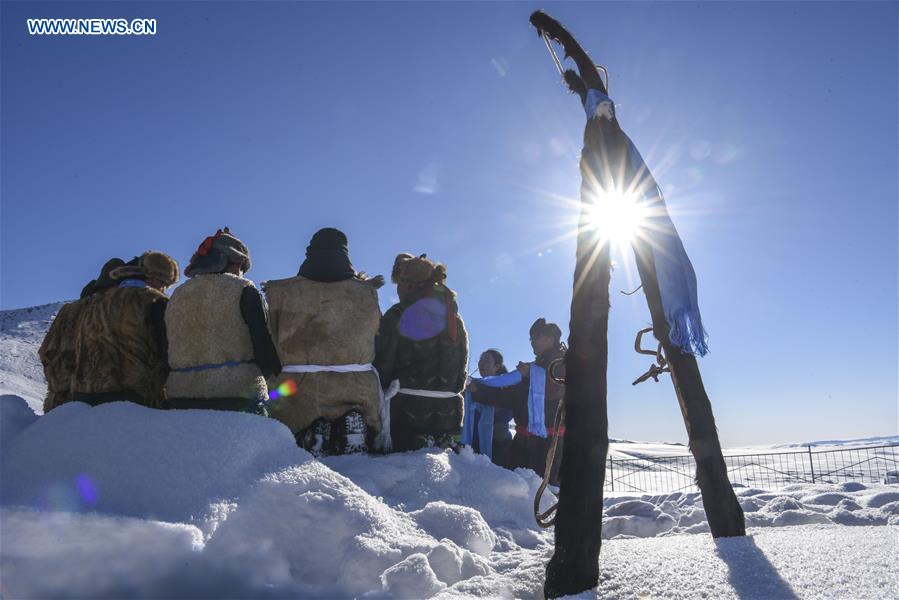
486,428
534,400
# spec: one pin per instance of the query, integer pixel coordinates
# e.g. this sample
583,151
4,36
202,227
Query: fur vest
318,323
57,354
209,346
116,348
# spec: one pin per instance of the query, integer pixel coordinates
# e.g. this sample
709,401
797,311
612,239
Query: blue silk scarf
677,279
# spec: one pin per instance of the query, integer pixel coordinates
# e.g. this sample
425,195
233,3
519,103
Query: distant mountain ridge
867,441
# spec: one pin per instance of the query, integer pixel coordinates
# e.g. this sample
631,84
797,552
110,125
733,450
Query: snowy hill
21,332
124,501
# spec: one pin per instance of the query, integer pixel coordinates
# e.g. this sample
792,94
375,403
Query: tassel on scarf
677,279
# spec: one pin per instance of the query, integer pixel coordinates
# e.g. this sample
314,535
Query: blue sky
443,128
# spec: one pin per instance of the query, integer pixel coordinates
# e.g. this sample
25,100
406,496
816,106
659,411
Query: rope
547,518
658,367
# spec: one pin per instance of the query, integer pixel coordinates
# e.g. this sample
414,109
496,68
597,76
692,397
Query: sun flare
617,217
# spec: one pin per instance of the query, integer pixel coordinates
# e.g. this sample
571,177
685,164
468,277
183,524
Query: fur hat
398,263
417,271
217,252
130,270
149,265
162,267
542,328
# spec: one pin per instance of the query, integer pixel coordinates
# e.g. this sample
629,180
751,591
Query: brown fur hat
398,263
419,271
130,270
160,266
150,265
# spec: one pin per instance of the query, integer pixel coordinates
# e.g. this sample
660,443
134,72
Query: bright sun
617,217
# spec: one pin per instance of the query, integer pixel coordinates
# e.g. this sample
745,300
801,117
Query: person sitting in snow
57,351
484,427
120,335
324,323
534,399
421,353
219,347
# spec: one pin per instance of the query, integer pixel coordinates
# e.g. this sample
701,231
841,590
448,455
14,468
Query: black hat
328,257
541,327
104,280
328,238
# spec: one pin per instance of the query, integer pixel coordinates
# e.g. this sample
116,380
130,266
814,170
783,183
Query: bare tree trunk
574,566
721,506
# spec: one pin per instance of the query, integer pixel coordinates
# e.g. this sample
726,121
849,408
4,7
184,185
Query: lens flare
423,320
287,388
87,489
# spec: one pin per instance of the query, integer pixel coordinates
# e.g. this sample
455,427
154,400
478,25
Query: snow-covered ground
124,501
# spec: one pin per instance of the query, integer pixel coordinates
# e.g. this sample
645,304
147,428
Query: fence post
811,462
611,473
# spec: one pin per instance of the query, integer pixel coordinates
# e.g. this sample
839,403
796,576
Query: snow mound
825,499
15,417
461,524
53,554
882,499
413,577
308,526
124,459
635,508
452,564
207,504
637,526
851,486
412,480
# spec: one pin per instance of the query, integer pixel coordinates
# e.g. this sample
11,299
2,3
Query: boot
349,434
316,438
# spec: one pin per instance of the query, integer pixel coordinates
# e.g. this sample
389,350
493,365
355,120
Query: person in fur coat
119,335
421,353
57,351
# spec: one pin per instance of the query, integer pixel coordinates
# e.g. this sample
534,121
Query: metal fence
875,464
